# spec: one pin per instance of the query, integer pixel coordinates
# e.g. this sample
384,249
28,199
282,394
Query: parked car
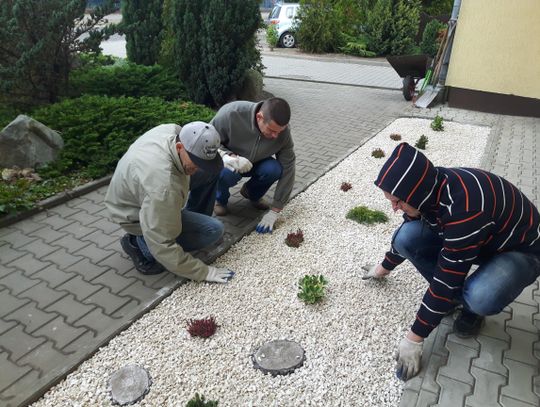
283,15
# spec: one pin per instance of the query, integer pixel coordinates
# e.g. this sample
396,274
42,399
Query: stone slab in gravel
279,357
129,384
349,338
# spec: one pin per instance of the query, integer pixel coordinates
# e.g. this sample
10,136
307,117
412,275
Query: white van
283,15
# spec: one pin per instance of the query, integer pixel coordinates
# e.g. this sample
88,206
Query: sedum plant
395,136
437,123
377,153
294,239
199,401
362,214
312,288
421,143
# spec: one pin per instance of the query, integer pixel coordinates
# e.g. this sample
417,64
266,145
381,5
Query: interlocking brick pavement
67,288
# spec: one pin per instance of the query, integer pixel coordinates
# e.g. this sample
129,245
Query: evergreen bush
39,39
430,38
214,46
143,27
378,28
321,26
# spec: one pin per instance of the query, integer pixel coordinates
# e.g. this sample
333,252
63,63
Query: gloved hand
231,163
408,358
244,165
374,271
266,225
219,275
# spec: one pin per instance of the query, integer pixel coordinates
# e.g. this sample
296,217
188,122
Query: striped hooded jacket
477,214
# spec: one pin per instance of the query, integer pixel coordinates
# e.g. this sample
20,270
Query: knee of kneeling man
482,308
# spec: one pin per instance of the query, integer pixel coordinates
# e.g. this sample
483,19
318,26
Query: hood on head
408,175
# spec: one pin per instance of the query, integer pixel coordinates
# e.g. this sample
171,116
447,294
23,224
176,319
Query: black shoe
468,324
142,264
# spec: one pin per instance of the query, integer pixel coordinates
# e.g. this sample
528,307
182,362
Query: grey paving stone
16,282
86,204
105,225
94,253
79,288
78,230
520,382
9,302
105,299
29,265
459,361
121,263
64,211
44,358
30,317
6,326
39,248
18,390
87,270
11,372
510,402
70,309
27,226
527,296
56,222
62,258
4,271
15,238
53,276
85,219
486,388
8,254
47,234
426,399
97,322
59,332
42,294
521,346
18,343
115,282
468,342
522,317
491,355
495,326
69,243
453,392
102,240
140,292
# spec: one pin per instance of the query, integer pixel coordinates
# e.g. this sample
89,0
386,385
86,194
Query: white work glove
219,275
244,165
231,163
408,358
374,271
266,225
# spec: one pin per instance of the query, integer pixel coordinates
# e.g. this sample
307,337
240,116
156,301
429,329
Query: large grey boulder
27,143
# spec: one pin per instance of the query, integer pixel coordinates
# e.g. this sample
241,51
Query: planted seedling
437,123
312,288
377,153
395,136
362,214
204,328
421,142
345,186
294,238
199,401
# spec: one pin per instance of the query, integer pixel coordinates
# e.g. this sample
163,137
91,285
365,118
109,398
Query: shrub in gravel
362,214
294,239
421,143
395,136
199,401
312,288
345,186
377,153
437,123
204,328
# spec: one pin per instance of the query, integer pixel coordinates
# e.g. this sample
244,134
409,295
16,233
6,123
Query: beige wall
497,47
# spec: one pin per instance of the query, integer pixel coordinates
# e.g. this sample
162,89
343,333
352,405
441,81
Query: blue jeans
198,231
263,174
495,284
202,192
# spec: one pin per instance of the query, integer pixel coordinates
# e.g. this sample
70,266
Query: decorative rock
129,384
25,142
279,357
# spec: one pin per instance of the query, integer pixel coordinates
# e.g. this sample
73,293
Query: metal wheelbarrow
412,68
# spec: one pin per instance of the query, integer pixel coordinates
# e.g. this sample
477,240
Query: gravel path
349,338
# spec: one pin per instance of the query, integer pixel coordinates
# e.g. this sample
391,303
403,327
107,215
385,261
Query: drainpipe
451,30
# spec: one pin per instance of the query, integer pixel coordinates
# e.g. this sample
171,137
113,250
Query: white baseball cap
201,141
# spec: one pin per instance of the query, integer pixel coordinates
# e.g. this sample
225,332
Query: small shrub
199,401
437,123
377,153
362,214
421,142
294,238
312,288
395,136
204,328
431,38
355,46
345,186
272,36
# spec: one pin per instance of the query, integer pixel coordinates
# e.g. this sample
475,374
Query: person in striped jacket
455,218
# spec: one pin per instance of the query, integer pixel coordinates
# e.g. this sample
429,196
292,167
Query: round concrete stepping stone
279,357
129,384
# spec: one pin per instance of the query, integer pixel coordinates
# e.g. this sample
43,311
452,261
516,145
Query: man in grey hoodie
252,134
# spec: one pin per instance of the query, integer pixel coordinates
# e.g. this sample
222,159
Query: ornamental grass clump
377,153
421,143
199,401
437,123
312,288
345,186
294,239
395,136
204,328
362,214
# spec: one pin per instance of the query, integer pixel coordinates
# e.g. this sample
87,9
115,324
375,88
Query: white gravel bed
349,338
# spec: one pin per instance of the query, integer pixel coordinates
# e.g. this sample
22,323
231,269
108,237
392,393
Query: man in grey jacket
147,195
251,135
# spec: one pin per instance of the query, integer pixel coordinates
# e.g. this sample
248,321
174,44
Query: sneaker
142,264
468,324
220,210
260,204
